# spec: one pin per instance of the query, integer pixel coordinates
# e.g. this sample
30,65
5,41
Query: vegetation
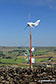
15,55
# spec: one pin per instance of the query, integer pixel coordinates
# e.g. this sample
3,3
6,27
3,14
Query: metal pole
30,47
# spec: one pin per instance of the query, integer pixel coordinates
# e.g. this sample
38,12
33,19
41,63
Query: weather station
31,25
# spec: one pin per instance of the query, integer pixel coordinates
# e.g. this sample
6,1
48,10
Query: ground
12,75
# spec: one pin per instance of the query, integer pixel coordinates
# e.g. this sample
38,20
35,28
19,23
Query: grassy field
12,61
15,55
23,60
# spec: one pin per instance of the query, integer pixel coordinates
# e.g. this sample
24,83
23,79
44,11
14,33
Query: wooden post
30,47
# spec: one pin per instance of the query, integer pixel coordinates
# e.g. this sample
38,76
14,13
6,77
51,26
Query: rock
12,75
2,77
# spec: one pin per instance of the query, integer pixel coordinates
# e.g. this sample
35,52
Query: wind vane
31,25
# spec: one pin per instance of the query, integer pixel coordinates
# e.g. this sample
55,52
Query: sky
14,15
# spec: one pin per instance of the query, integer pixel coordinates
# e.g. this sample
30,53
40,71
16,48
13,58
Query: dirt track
12,75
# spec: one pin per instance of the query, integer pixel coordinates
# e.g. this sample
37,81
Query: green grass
49,51
12,62
7,61
19,60
40,52
41,59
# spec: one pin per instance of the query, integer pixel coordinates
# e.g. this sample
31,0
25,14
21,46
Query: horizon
29,46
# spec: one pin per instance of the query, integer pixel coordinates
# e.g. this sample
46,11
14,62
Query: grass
21,60
40,52
41,59
17,63
12,61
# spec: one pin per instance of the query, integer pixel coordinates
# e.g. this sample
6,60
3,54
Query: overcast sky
14,16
